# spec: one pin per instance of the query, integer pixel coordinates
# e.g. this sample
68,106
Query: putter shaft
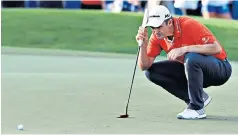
132,81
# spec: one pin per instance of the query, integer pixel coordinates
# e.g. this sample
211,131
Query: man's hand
177,52
142,35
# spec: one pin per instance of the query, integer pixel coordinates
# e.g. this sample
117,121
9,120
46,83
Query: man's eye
153,28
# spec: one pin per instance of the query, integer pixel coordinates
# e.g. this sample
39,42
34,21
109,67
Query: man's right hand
142,35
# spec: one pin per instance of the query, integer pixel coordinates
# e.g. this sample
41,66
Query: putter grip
145,18
140,42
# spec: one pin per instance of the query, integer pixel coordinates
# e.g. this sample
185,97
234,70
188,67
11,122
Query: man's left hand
176,52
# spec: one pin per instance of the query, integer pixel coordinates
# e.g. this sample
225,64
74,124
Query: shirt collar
177,28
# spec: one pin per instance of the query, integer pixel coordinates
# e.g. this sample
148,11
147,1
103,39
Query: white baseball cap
157,15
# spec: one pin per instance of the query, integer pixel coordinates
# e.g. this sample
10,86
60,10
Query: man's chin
161,37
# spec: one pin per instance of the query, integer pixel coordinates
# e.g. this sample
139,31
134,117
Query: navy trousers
186,81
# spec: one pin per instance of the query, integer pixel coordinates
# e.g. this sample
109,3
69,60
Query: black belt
226,59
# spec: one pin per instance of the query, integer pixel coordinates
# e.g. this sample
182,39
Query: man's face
163,30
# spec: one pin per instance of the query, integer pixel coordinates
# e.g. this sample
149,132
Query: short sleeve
153,48
200,33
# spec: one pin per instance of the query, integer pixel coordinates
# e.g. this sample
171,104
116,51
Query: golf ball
20,127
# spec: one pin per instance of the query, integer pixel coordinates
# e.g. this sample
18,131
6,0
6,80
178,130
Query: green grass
57,94
91,30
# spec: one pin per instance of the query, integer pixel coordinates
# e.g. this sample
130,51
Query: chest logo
205,39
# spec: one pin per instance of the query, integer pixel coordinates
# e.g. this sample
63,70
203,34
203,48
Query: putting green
73,92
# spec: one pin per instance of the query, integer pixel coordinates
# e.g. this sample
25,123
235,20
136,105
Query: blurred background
106,26
226,9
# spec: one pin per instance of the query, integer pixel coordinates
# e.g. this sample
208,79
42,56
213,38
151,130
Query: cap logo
167,15
154,16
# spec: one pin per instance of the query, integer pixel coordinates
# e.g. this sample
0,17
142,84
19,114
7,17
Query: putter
140,42
126,115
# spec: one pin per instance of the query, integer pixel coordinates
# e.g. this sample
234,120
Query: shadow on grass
222,118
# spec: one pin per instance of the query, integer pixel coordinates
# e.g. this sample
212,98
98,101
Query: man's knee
152,74
148,74
192,59
155,77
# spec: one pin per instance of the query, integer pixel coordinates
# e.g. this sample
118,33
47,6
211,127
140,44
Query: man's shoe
207,99
190,114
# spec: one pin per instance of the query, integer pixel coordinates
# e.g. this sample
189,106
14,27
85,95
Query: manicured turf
59,92
70,92
91,30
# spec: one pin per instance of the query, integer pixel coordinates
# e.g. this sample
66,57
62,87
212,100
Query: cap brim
154,22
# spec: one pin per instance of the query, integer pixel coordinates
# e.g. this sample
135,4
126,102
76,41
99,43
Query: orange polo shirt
187,32
92,2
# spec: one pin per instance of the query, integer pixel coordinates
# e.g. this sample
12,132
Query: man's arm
206,49
145,61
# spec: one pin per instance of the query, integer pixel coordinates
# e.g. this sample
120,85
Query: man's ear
170,22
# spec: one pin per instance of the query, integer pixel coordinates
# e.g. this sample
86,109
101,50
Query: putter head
123,116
